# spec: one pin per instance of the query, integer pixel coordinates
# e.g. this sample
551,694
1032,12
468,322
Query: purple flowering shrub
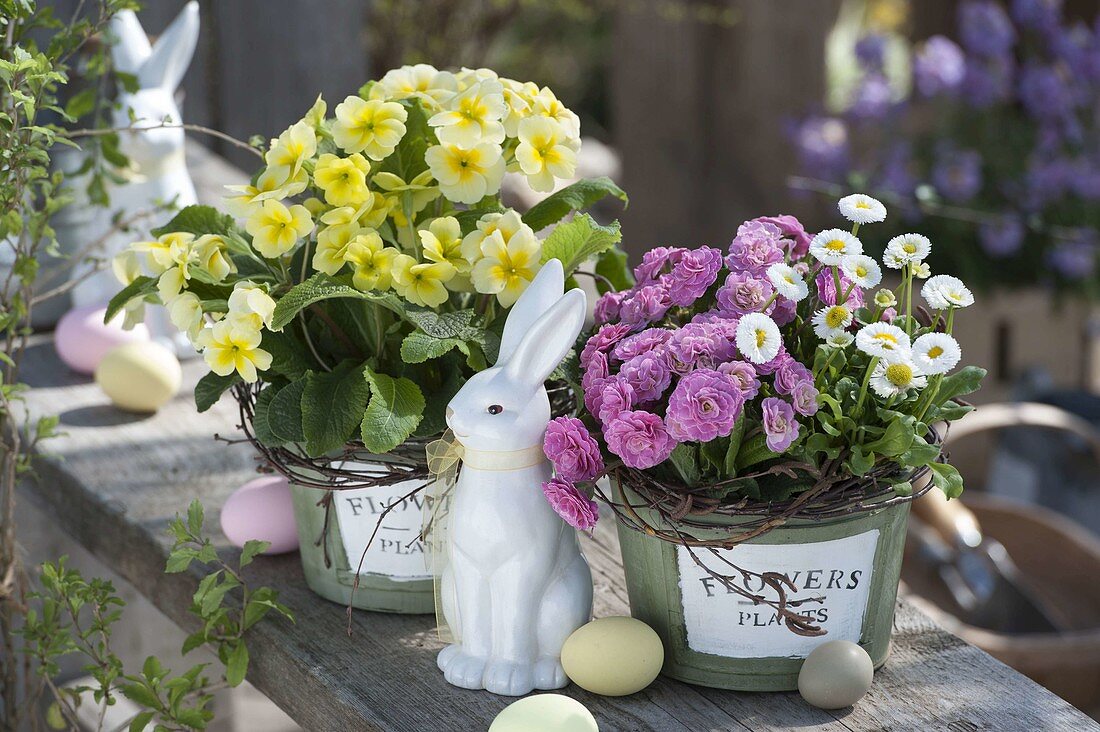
777,350
993,142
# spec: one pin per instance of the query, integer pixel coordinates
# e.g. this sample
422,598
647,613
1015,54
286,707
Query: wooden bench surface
114,480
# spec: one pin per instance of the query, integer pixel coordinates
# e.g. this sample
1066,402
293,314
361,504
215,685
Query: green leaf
904,488
966,381
435,408
284,414
260,424
861,461
457,324
195,517
140,694
686,462
575,197
141,721
919,453
729,465
947,479
198,220
419,347
612,266
467,220
140,287
896,440
948,412
289,357
714,453
395,409
252,548
211,387
578,240
332,407
323,287
754,451
236,665
81,103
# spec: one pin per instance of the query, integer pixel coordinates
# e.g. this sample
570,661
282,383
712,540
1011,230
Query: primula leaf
578,240
435,408
284,414
457,324
729,465
613,267
713,454
289,357
140,287
323,287
966,381
686,462
261,425
211,387
332,407
395,409
754,451
947,479
419,347
199,220
575,197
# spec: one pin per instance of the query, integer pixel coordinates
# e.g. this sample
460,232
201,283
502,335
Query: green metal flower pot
714,637
393,577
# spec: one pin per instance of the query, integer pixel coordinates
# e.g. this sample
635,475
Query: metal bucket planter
334,527
715,637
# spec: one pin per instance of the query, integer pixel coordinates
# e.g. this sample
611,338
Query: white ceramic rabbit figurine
159,173
516,584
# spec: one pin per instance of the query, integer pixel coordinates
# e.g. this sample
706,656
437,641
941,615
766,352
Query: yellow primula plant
366,269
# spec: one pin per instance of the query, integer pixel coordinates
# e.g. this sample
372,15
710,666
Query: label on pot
831,578
397,551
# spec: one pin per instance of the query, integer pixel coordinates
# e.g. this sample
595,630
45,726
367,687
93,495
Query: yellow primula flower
373,262
275,228
508,224
466,176
269,185
442,242
422,81
250,306
332,247
185,312
371,126
506,268
543,153
419,189
230,345
472,117
519,98
162,254
422,284
344,180
546,104
126,266
290,150
213,256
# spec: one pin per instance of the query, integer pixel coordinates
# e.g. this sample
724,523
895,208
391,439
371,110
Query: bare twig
85,132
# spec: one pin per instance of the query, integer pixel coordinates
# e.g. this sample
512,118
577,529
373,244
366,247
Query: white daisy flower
862,270
883,340
891,379
944,291
906,249
832,245
758,338
828,322
787,281
885,298
861,209
841,339
922,271
936,353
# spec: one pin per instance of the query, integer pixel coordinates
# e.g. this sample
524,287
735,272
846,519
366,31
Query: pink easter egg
262,509
82,339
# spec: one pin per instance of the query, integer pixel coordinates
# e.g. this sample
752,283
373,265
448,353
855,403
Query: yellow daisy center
889,339
861,271
836,316
935,352
836,245
863,204
909,248
761,338
899,374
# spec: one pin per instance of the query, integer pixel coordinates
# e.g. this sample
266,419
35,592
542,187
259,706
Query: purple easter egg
261,509
82,339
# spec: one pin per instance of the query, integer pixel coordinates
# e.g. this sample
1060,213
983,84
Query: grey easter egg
836,674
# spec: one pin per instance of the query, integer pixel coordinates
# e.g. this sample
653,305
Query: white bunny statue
154,143
515,585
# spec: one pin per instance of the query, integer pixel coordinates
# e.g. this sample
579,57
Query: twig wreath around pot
765,416
370,279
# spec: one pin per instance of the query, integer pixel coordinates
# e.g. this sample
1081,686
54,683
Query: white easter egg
139,377
613,656
262,510
835,675
545,713
82,339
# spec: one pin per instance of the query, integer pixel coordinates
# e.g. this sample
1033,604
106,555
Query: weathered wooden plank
114,480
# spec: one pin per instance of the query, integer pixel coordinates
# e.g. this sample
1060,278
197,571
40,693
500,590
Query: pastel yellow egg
835,675
613,656
545,713
139,377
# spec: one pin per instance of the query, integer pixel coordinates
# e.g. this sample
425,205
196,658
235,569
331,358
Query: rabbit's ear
545,290
131,47
548,340
173,51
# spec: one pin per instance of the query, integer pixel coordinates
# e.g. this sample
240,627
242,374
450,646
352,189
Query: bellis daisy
884,341
758,337
906,249
832,245
890,379
862,270
936,353
840,339
861,209
944,291
831,321
921,270
787,281
885,298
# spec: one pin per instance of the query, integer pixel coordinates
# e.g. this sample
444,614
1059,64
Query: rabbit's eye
495,409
